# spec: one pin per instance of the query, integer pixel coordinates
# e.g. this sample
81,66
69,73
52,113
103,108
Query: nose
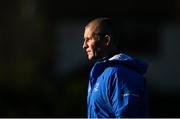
84,45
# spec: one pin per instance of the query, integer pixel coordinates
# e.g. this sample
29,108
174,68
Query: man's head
99,38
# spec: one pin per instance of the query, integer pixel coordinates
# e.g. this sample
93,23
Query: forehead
89,30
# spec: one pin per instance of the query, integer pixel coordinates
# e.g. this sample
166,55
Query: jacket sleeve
123,98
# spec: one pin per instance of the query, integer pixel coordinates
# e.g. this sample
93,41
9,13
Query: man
116,85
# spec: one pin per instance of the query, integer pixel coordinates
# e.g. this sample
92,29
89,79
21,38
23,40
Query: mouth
88,51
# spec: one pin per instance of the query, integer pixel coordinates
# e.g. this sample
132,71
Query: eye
86,39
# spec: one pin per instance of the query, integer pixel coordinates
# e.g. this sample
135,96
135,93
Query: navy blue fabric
117,88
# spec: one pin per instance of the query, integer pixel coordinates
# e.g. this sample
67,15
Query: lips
88,51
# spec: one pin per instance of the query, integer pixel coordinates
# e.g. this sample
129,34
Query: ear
107,40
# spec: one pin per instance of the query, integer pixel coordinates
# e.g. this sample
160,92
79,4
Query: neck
109,54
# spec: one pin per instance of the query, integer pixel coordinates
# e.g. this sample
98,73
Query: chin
91,58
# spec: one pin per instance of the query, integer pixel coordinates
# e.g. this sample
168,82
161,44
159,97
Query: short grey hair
104,26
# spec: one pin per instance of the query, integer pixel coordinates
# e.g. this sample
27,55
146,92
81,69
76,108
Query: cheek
92,45
96,48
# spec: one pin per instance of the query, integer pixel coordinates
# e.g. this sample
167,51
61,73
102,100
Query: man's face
91,44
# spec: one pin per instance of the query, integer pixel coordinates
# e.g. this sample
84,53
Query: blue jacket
117,88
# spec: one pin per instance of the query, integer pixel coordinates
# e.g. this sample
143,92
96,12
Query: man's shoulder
112,69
